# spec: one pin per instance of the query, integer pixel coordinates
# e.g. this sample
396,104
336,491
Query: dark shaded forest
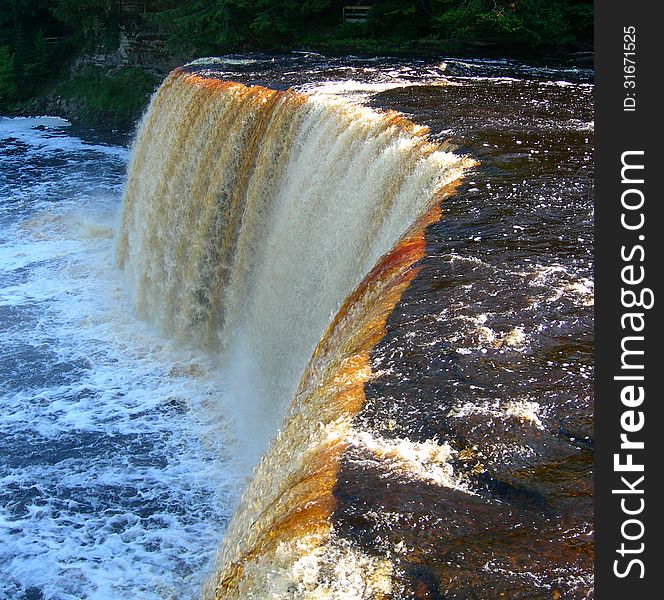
40,39
208,26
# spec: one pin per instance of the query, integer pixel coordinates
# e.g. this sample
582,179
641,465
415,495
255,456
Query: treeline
38,38
215,26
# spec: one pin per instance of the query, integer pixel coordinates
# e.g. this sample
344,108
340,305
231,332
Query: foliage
399,20
29,65
8,87
525,23
25,26
86,16
34,68
218,26
477,19
545,22
203,25
116,98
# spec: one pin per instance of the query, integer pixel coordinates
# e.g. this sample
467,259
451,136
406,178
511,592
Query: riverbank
95,97
111,92
96,63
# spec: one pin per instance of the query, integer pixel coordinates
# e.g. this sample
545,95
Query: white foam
428,460
525,411
563,283
45,134
224,60
117,466
360,91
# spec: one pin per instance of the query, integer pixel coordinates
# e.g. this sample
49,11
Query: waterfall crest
251,217
250,214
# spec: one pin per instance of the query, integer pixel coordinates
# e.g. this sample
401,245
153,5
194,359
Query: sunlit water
115,462
118,461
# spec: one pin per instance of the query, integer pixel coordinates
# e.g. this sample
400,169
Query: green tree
8,86
518,22
217,26
409,19
36,67
200,25
545,22
86,16
477,19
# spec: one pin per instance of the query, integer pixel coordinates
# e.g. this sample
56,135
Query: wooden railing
356,14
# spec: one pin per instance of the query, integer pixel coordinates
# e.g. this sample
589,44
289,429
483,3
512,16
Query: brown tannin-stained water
377,275
466,468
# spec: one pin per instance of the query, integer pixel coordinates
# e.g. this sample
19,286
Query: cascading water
249,242
278,230
250,214
426,382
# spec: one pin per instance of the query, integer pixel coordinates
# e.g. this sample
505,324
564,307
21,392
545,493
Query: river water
119,463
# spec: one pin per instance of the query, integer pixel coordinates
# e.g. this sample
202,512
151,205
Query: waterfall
278,230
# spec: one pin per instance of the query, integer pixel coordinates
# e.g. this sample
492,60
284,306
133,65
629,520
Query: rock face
135,49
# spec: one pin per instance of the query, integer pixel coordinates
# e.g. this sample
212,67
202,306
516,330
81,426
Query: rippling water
118,463
112,485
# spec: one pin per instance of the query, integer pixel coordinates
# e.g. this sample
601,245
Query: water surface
118,461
